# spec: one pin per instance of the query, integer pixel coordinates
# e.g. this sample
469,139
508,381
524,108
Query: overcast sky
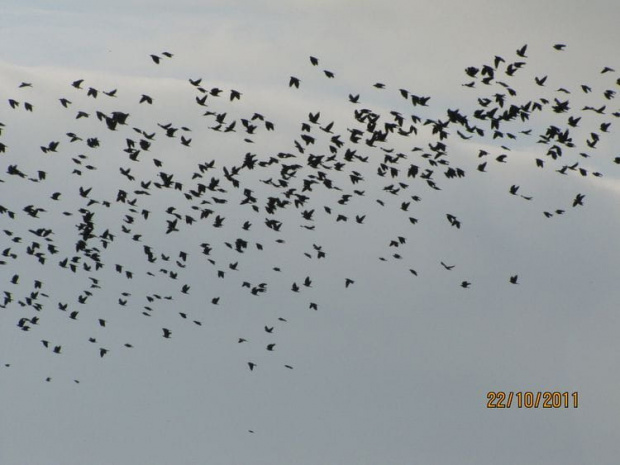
394,368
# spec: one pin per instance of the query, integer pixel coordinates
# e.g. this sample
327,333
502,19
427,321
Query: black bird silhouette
540,81
447,267
521,51
578,200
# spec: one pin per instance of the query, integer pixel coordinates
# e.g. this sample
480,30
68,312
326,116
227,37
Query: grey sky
394,369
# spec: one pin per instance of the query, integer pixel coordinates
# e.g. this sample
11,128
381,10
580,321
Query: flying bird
578,200
521,51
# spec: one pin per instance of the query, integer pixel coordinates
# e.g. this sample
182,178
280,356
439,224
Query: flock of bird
149,222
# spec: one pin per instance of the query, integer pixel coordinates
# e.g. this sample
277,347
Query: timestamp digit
501,396
491,397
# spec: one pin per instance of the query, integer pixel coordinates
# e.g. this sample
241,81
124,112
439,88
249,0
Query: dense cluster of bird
147,216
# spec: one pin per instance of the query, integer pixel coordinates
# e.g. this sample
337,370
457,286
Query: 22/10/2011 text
529,399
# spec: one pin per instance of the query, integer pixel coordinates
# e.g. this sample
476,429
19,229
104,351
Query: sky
397,366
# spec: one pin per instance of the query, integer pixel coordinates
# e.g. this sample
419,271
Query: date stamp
529,399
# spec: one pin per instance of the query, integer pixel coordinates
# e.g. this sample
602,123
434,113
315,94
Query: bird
540,81
578,200
513,279
447,267
167,333
521,51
